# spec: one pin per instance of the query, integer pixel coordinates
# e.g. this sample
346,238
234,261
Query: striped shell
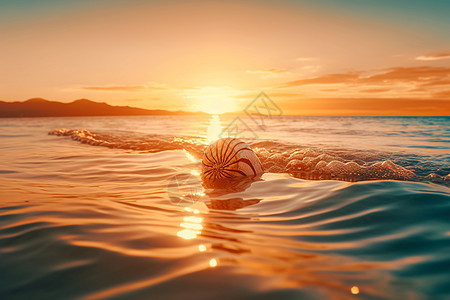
229,158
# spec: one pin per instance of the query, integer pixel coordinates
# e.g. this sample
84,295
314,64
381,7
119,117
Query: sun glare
216,106
214,100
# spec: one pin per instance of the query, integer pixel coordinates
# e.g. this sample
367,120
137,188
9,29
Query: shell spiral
229,158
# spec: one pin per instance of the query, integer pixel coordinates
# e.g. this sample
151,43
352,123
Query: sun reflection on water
187,234
213,263
191,227
214,129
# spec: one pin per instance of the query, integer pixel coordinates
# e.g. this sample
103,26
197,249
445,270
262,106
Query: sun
214,100
216,106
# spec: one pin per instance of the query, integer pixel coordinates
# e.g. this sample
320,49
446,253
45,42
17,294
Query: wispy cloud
375,90
340,78
438,83
437,56
269,73
109,88
126,88
418,75
311,68
250,95
442,94
420,83
367,106
306,59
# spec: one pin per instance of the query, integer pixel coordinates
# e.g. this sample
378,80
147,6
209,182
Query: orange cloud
330,90
399,91
442,94
269,73
437,56
127,88
423,75
417,74
366,106
251,95
437,83
306,58
375,90
325,79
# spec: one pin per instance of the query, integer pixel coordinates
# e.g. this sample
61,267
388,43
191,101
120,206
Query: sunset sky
322,57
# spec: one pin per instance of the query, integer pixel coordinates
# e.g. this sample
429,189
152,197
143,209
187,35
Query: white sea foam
306,163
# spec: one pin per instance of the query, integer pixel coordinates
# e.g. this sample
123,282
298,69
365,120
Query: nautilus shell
227,159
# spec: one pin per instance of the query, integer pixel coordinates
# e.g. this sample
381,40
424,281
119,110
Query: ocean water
114,208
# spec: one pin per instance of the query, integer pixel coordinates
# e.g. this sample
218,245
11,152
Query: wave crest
301,162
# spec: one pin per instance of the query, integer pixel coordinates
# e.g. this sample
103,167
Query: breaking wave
299,161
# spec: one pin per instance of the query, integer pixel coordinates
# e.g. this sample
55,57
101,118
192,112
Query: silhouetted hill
37,107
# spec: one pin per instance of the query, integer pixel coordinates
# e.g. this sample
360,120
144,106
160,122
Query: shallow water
98,219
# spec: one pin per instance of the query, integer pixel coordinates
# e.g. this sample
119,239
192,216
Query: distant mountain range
38,107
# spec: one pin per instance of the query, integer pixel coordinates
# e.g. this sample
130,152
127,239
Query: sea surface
114,208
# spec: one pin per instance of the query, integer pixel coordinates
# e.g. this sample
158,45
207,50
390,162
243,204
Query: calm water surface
349,208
